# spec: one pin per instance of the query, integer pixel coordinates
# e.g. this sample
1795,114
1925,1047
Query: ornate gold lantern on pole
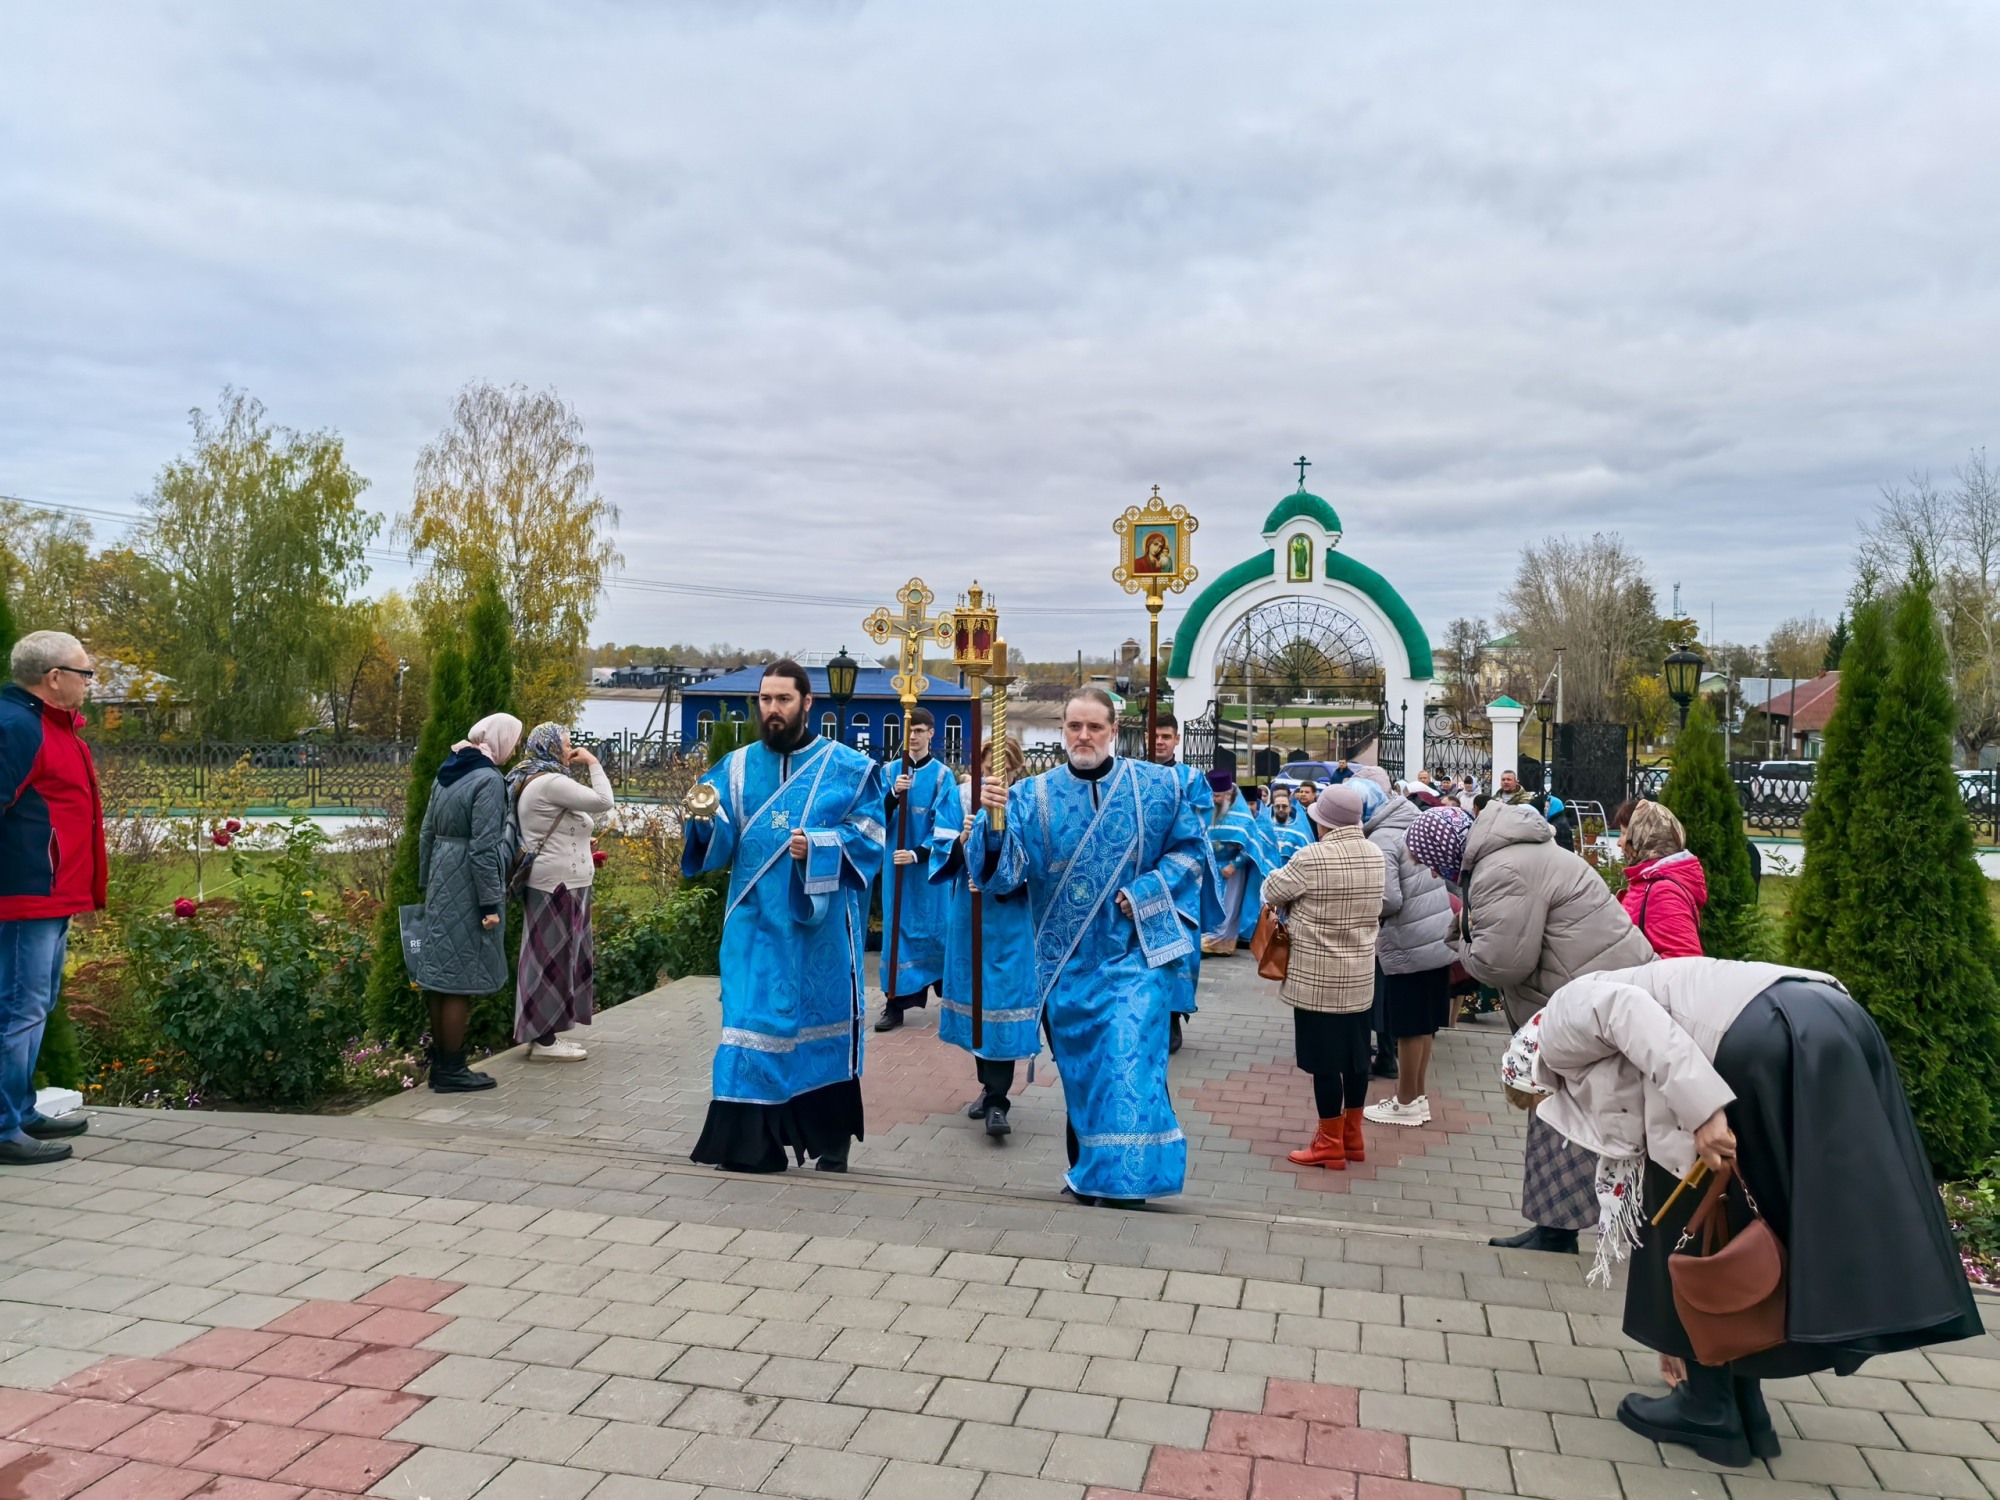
974,634
1155,557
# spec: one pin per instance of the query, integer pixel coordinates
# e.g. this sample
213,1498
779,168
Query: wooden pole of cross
911,629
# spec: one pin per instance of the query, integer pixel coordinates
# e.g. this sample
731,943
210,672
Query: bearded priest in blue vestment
799,829
1112,858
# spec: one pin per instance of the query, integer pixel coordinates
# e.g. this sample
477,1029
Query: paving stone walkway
1239,1097
534,1296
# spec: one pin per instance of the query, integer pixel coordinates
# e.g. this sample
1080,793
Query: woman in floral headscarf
557,816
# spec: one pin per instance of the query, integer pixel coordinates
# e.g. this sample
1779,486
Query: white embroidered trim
763,1041
1157,1138
996,1017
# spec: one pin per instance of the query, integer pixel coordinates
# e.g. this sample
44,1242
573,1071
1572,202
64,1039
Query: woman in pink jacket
1665,885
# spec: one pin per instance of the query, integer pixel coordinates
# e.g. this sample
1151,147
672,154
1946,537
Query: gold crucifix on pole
911,630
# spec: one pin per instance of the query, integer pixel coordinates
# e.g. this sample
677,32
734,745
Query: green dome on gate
1301,503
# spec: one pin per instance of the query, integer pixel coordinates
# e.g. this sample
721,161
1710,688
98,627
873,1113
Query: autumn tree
1589,599
1797,648
509,489
1953,533
1458,658
44,554
258,532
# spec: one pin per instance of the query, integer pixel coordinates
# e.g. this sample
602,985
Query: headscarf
496,735
542,755
1437,839
1375,774
1372,796
1338,807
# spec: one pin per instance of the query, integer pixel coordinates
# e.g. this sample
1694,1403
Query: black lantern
1682,671
840,688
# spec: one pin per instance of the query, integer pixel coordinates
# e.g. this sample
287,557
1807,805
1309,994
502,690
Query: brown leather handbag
1271,944
1731,1297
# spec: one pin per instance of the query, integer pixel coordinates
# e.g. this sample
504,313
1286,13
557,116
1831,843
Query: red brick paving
1304,1445
1270,1105
911,1075
286,1412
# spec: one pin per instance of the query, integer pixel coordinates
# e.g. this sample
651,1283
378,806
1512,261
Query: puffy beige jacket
558,815
1630,1053
1536,915
1332,892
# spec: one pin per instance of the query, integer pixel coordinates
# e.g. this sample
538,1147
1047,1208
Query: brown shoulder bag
1271,944
1731,1297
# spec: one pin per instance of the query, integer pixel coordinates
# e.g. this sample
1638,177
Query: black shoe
44,1129
1384,1065
976,1110
832,1162
996,1122
1756,1418
450,1075
1699,1413
1121,1202
1081,1200
32,1153
890,1019
1173,1032
1538,1237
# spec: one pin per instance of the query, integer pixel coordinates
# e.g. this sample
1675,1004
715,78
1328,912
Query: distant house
1799,715
121,692
873,717
1503,662
653,679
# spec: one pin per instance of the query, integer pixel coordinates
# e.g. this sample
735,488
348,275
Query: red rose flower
597,856
222,837
233,825
184,908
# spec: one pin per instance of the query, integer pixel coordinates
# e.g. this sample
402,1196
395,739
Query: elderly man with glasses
52,867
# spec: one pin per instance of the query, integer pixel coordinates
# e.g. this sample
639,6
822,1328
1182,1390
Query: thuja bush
260,996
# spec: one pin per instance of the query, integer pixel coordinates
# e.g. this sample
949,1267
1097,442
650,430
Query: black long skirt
1826,1143
754,1137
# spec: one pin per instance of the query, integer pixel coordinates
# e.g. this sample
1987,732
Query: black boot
1699,1413
1385,1062
976,1110
891,1017
1538,1237
1756,1417
450,1075
1173,1032
996,1119
833,1161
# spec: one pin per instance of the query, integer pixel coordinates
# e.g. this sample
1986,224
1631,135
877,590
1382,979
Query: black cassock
1826,1143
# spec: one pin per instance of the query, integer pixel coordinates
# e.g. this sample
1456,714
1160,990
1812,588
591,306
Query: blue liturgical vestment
912,906
1199,795
1011,1007
1239,840
1105,978
1289,838
793,933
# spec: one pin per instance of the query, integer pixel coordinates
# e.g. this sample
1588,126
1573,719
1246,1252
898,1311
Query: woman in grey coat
1413,950
462,869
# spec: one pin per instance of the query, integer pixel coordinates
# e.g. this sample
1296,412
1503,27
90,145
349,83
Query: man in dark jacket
52,866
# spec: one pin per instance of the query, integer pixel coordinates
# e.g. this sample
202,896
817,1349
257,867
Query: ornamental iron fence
1774,796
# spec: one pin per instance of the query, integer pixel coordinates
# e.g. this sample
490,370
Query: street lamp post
1545,708
1682,670
840,688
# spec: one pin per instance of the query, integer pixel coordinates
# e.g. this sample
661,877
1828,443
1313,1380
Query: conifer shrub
1701,794
1912,936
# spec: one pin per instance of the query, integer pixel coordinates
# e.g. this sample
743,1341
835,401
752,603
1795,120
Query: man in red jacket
52,866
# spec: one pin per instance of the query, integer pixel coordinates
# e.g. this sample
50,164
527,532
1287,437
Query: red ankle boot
1356,1145
1325,1150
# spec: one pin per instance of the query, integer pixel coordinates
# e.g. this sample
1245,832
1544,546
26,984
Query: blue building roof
869,683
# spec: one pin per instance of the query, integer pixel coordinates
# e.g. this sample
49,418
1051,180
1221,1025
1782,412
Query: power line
627,581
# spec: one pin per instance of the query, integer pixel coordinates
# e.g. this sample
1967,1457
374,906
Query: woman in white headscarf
462,870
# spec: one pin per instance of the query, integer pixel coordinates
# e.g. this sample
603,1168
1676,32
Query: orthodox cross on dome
1304,463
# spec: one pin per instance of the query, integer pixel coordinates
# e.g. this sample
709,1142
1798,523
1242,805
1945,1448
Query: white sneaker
560,1050
1393,1112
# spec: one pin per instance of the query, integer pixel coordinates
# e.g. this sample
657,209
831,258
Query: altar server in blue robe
1196,792
924,791
1287,827
1011,1011
1112,859
1244,856
799,828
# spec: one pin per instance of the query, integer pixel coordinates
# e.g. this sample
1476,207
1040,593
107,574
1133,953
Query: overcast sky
847,292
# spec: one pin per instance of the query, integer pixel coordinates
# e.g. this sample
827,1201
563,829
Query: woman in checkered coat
1332,895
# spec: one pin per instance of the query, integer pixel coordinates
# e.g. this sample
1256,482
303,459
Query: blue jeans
31,965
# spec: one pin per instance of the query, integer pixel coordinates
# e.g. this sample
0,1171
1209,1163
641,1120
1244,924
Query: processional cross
911,629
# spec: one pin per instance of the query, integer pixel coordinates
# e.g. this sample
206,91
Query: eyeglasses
76,671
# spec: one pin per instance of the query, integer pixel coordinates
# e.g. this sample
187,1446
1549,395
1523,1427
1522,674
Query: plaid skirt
556,990
1559,1181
